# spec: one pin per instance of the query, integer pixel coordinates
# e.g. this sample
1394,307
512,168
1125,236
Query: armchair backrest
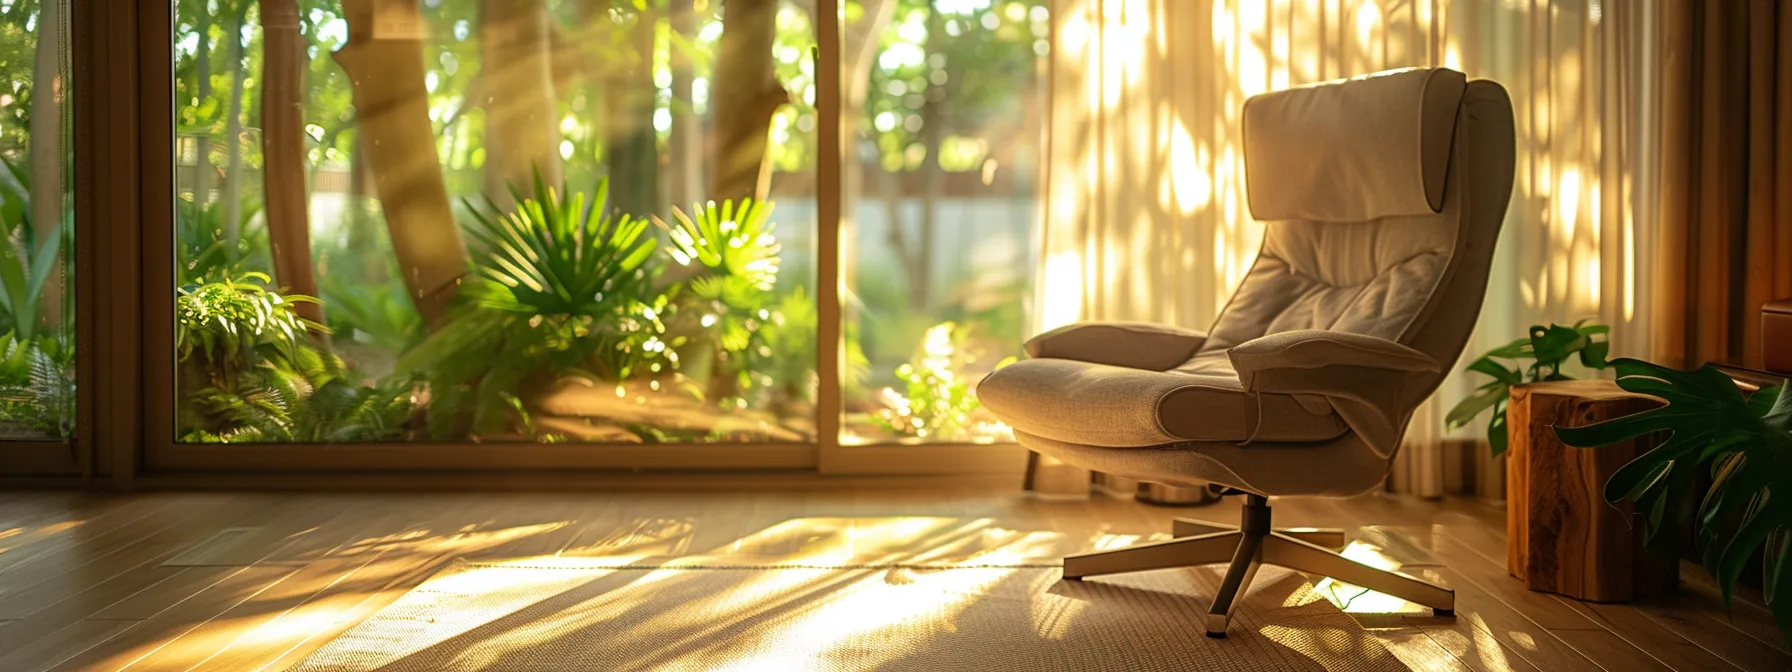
1383,197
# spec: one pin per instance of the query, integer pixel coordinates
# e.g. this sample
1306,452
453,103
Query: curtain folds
1726,180
1145,215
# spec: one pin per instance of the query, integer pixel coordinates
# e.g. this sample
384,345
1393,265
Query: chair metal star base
1252,543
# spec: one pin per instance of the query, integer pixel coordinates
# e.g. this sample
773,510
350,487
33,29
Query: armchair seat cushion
1120,407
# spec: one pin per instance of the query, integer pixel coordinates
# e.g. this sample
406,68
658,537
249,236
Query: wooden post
1561,535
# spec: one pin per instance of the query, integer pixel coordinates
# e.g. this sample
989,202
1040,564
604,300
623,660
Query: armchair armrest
1135,345
1315,349
1367,380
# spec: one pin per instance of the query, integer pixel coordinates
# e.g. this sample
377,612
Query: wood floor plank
1648,635
1418,650
308,566
1610,650
328,612
1705,625
97,540
1474,647
47,651
1700,592
85,567
42,536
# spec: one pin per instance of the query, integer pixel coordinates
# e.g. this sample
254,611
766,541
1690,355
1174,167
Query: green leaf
1467,409
1593,356
1553,344
1496,429
1499,371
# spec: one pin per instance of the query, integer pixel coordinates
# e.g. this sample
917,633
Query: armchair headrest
1352,150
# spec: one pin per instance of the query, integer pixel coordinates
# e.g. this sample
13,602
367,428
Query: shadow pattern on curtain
1146,216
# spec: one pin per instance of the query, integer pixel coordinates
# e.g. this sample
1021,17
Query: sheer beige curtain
1146,219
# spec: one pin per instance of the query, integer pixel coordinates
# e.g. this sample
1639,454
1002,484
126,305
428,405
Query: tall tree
631,145
283,151
746,80
522,124
685,140
233,134
202,68
47,166
384,62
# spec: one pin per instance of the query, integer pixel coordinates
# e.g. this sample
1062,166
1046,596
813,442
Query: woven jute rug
582,615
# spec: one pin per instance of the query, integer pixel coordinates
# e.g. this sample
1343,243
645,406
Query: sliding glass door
37,339
593,233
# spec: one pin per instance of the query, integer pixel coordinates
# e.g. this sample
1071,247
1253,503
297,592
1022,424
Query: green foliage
558,289
788,357
378,314
232,325
738,252
554,257
1746,446
26,263
36,387
202,250
938,399
1547,349
305,403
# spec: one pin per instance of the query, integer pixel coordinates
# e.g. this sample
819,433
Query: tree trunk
283,152
522,124
202,145
233,136
746,93
384,62
684,184
362,236
933,118
631,146
47,164
860,48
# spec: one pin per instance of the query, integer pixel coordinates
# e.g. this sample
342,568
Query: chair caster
1443,612
1216,635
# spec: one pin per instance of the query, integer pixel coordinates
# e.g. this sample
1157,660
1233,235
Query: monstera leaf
1746,444
1547,348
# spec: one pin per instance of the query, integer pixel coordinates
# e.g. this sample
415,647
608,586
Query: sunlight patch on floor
1356,599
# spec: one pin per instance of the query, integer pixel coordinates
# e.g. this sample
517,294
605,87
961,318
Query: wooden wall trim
106,204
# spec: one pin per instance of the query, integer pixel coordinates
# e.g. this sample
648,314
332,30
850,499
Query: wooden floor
257,580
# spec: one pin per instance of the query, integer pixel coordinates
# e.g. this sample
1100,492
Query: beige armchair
1383,197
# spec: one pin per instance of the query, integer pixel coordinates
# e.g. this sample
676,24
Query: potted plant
1745,443
1547,349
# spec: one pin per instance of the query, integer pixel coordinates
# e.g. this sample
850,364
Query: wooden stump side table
1561,535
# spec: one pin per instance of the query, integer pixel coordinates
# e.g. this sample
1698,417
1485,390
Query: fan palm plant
559,287
733,252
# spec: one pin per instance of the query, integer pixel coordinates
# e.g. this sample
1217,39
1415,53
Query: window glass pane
461,220
37,353
944,104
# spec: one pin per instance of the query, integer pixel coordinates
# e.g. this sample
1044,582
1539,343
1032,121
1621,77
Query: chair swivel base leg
1329,537
1244,550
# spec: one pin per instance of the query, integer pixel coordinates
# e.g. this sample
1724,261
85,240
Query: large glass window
37,351
495,220
943,104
